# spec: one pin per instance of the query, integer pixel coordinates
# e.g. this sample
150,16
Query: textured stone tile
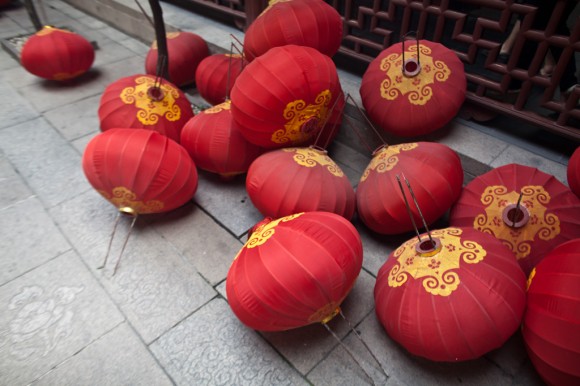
117,358
111,51
77,119
45,160
511,356
114,71
48,315
7,62
527,376
136,47
212,347
205,244
14,108
81,143
18,77
12,187
28,238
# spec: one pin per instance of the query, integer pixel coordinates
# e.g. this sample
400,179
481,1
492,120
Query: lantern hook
411,66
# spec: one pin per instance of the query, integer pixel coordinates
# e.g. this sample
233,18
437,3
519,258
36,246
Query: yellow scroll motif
418,87
218,108
271,3
47,30
150,110
530,278
438,272
124,198
544,225
386,158
303,120
310,157
265,231
169,35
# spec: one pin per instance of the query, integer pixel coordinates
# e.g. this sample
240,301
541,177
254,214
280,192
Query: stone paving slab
14,188
77,119
48,315
14,108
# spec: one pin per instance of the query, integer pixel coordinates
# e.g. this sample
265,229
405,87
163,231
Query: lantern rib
438,324
139,164
460,331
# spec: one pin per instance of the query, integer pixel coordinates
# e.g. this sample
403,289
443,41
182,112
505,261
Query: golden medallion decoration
438,271
169,35
386,158
127,201
541,223
417,89
271,3
310,157
303,120
227,105
265,231
150,109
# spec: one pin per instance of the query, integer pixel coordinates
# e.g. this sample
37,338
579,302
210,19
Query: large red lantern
216,74
434,171
311,23
294,271
57,54
548,213
454,302
185,52
140,171
573,172
414,89
286,97
291,180
214,142
145,102
551,327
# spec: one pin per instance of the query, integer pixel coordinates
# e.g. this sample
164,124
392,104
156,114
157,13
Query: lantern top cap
128,211
429,247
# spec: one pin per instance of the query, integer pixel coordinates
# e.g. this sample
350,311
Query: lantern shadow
92,75
183,211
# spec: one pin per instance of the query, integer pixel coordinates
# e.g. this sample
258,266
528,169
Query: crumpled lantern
286,97
413,89
294,271
185,51
454,302
215,76
434,171
145,102
214,142
551,324
291,180
311,23
57,54
548,214
573,172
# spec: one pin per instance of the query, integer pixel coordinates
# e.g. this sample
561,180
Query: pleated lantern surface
185,51
294,271
452,303
549,213
573,172
434,172
291,180
551,327
140,171
214,142
417,94
286,97
216,75
57,54
310,23
145,102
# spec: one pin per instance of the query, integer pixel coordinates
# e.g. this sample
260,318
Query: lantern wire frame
233,46
122,211
368,121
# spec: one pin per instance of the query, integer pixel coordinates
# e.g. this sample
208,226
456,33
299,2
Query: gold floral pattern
386,158
219,108
271,3
149,110
267,230
310,157
123,198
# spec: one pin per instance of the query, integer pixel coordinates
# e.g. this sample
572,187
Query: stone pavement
163,319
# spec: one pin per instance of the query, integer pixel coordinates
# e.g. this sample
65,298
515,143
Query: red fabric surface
56,54
211,76
140,169
573,172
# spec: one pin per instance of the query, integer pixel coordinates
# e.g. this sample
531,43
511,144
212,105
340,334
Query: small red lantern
140,171
551,326
413,90
311,23
146,102
573,172
185,51
433,169
286,97
216,74
215,144
292,180
57,54
452,302
294,271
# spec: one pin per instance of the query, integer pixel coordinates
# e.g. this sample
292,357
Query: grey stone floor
163,319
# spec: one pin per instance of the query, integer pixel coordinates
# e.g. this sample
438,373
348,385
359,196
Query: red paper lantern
292,180
286,96
294,271
185,51
573,172
311,23
56,54
415,94
140,171
215,144
434,172
145,102
549,213
551,327
453,303
215,76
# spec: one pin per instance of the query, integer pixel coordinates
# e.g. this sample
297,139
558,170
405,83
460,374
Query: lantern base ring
331,316
425,248
411,67
155,93
128,211
514,216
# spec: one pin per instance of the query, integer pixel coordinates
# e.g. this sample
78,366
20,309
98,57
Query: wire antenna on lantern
122,211
326,119
242,45
357,132
517,211
418,210
145,14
